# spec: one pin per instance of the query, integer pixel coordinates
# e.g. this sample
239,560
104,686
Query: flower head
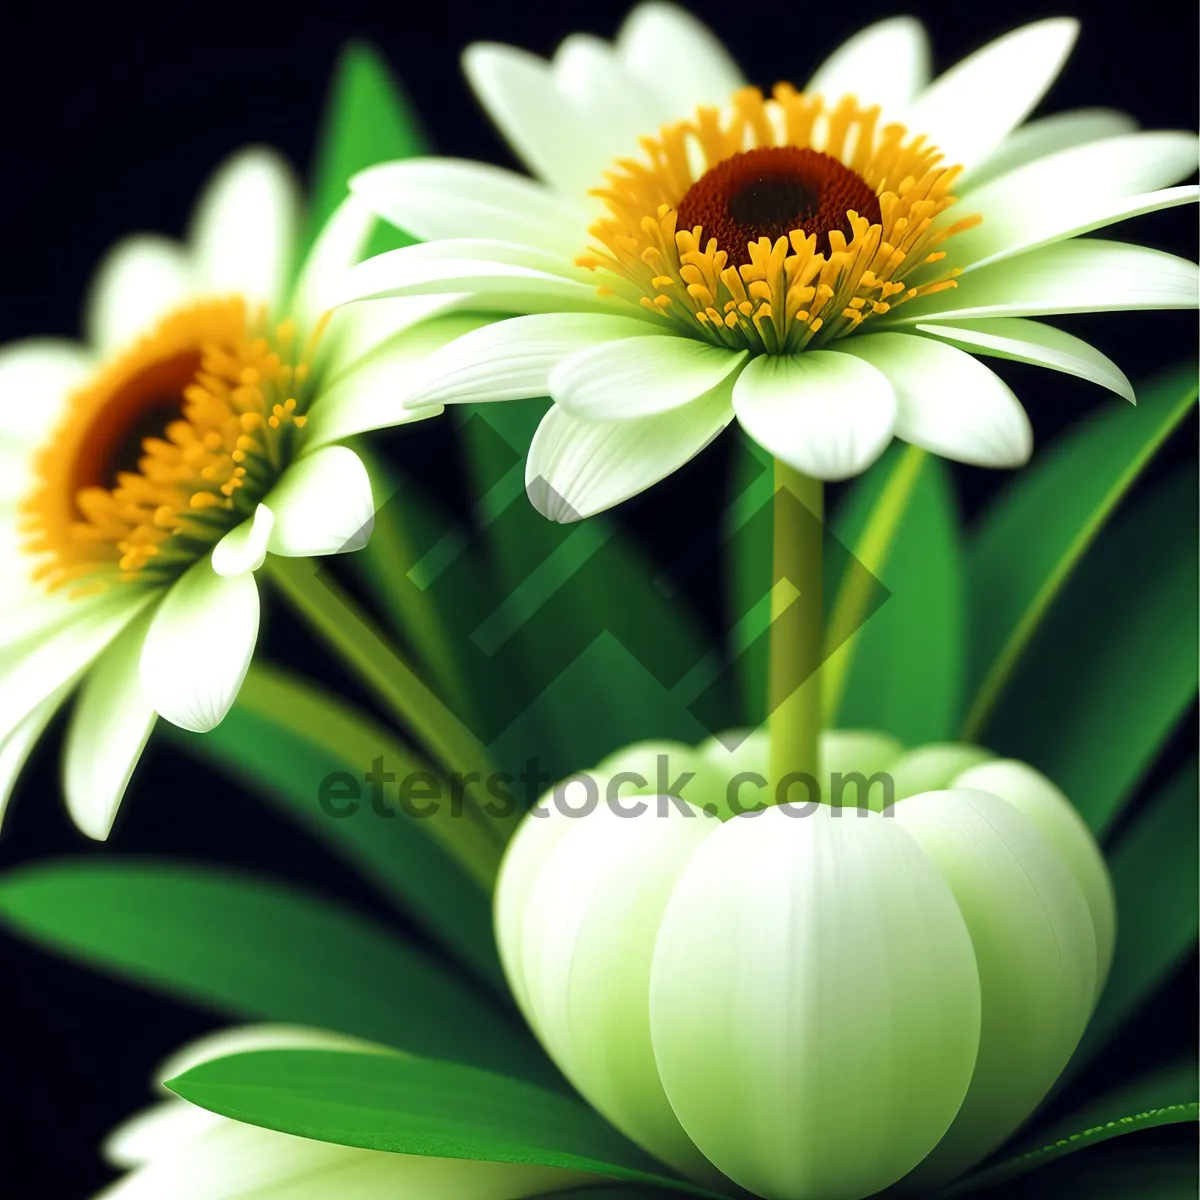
150,471
823,264
813,1001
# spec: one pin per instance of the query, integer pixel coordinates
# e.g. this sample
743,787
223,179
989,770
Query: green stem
334,615
796,635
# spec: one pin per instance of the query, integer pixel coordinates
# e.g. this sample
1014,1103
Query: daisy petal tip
550,503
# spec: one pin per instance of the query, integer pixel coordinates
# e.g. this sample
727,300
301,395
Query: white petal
591,918
156,1133
536,837
547,132
16,748
1036,954
378,391
1121,165
199,647
1051,225
825,414
244,228
1084,275
36,378
617,109
322,505
1047,135
577,468
932,767
43,662
886,64
355,331
139,282
671,52
1032,342
639,376
245,547
809,968
433,198
947,401
1075,191
509,360
340,244
109,727
223,1159
1033,795
967,112
496,275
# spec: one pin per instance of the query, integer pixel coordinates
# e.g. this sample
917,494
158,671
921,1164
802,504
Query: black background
112,119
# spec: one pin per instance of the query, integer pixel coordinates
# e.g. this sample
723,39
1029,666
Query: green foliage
255,949
1163,1098
367,120
903,669
1032,538
1113,666
416,1106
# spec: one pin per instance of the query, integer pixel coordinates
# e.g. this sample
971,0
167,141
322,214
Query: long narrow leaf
416,1106
1163,1098
1037,533
254,949
903,670
1113,667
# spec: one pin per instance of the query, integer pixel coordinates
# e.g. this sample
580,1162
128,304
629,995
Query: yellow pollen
789,291
169,446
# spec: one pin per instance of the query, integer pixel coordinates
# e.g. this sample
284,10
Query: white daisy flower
149,471
822,264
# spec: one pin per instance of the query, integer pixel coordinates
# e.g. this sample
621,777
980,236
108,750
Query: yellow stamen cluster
789,295
168,447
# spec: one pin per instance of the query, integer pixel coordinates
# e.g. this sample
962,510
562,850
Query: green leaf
902,672
287,738
1165,1097
1036,534
367,120
1156,878
415,1106
1110,1172
1113,666
254,949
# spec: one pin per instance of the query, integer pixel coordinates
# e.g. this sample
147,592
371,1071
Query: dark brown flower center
772,191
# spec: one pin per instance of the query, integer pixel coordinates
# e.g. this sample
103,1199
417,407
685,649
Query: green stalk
795,717
336,618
